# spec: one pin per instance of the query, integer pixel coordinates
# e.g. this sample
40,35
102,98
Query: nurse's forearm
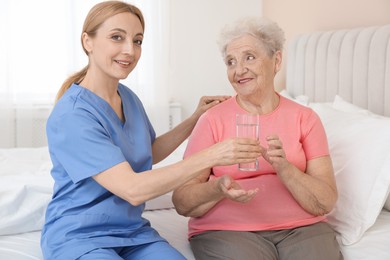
137,188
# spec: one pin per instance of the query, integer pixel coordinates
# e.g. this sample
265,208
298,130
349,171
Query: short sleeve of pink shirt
273,208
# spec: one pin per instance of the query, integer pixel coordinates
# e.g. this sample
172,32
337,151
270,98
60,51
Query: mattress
174,228
375,244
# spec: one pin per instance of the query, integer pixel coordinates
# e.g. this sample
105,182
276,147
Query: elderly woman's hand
232,190
275,154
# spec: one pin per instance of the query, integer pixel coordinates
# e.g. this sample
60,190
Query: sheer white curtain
40,46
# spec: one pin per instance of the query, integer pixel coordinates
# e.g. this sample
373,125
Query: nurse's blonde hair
96,16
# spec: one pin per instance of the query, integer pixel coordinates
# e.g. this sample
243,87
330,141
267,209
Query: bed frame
318,64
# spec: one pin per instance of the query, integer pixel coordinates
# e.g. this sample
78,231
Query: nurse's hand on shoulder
234,150
207,102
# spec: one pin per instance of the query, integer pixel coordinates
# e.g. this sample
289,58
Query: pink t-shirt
273,208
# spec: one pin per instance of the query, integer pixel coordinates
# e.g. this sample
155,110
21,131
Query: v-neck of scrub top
134,136
103,104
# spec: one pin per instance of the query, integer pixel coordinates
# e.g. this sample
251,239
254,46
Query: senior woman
277,211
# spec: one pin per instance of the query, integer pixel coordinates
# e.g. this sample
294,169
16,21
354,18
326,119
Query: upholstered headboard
354,64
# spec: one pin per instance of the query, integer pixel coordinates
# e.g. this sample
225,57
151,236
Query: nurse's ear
87,43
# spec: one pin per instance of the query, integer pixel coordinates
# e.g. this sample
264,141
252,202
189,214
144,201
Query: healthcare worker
103,146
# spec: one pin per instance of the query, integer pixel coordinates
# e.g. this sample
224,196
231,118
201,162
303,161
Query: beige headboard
354,64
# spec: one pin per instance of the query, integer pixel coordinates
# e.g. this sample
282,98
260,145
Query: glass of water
247,125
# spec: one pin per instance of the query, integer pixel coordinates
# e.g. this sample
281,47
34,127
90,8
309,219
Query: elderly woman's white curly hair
266,31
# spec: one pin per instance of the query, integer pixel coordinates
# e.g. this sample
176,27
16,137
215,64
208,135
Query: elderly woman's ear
278,61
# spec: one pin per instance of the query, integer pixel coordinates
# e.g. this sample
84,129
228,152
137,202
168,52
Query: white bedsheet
21,246
375,244
167,222
173,227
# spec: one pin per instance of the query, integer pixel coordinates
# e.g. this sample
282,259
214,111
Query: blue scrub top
86,137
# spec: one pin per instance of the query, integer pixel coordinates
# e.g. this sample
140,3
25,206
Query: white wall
196,66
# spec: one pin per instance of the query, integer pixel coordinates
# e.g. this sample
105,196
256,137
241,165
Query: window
40,46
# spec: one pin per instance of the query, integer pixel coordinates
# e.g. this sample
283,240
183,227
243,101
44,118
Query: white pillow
25,189
341,104
360,149
387,203
301,99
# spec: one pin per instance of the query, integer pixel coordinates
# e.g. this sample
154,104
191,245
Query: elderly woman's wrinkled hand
233,191
275,154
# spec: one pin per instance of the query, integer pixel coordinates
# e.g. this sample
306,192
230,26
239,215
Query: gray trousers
313,242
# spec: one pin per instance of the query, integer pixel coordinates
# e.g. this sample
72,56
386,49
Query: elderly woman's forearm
195,200
314,195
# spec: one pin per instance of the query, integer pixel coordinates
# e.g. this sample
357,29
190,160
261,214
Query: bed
343,75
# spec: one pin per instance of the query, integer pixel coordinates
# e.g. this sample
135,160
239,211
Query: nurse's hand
233,151
207,102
